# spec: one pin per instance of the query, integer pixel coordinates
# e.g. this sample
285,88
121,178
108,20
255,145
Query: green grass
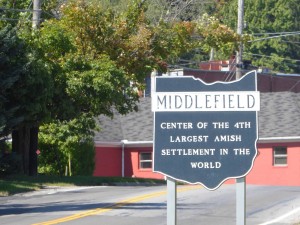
18,184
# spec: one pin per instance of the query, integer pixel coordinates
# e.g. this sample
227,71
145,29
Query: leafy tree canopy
85,60
24,77
264,19
104,55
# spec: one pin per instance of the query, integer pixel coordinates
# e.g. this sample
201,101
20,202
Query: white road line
53,190
281,217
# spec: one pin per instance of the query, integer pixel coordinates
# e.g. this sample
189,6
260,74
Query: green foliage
12,60
198,31
85,155
60,142
26,83
261,18
10,13
89,60
217,36
9,164
86,46
174,10
107,54
9,161
31,93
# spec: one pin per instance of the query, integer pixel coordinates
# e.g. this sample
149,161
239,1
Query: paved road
147,205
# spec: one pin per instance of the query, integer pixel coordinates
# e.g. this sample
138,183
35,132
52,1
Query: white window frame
280,156
141,161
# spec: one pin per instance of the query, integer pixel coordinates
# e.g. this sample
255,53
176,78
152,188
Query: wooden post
240,26
36,15
240,182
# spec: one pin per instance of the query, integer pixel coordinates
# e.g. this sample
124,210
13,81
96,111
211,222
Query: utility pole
240,182
34,129
36,15
240,26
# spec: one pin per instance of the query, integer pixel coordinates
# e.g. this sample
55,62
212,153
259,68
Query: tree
174,10
88,60
263,20
67,144
27,84
103,57
30,96
209,31
217,36
12,13
133,44
11,69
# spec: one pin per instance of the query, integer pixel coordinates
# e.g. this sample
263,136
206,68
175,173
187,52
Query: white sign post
241,201
171,201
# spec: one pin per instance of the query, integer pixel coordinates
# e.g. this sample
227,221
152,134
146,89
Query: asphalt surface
146,205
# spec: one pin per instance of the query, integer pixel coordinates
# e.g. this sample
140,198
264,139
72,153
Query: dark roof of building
135,126
279,117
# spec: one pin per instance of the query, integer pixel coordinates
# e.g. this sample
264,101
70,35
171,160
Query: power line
16,10
29,6
248,53
12,19
276,36
292,42
289,32
24,10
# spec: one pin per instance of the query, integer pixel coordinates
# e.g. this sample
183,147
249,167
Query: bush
67,147
9,164
53,160
84,161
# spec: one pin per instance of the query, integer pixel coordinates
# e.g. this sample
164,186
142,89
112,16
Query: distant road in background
127,205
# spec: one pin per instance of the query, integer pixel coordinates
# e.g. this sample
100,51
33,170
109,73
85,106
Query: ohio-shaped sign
205,133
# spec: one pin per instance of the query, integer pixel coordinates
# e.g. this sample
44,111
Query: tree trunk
33,146
23,147
24,143
16,149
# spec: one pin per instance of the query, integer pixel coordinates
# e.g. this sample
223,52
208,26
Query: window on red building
279,156
145,160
